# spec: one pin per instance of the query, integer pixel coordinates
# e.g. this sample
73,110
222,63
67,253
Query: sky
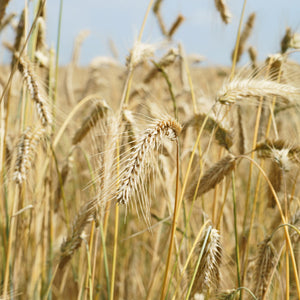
202,32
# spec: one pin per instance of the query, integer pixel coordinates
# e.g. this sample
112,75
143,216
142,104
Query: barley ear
74,238
133,175
223,9
26,149
213,176
98,112
179,20
3,5
244,36
36,91
265,262
20,32
208,273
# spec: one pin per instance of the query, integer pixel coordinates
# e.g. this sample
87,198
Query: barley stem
114,262
237,255
235,55
174,224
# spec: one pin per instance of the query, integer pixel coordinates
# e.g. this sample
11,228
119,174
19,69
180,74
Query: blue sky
202,32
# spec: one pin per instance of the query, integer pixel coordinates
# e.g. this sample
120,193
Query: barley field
157,178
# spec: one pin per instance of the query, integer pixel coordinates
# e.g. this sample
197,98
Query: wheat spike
133,173
223,10
98,112
27,145
3,5
73,240
265,262
35,91
61,181
208,273
280,151
222,135
274,62
139,53
20,32
275,177
213,176
179,20
244,36
240,89
253,56
7,20
241,131
286,40
41,26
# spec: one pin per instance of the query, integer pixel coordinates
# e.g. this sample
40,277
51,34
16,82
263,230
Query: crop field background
161,177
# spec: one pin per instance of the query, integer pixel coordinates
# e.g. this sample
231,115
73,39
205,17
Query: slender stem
51,282
237,43
105,261
166,77
145,19
116,233
287,274
237,255
10,239
174,223
113,273
89,282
